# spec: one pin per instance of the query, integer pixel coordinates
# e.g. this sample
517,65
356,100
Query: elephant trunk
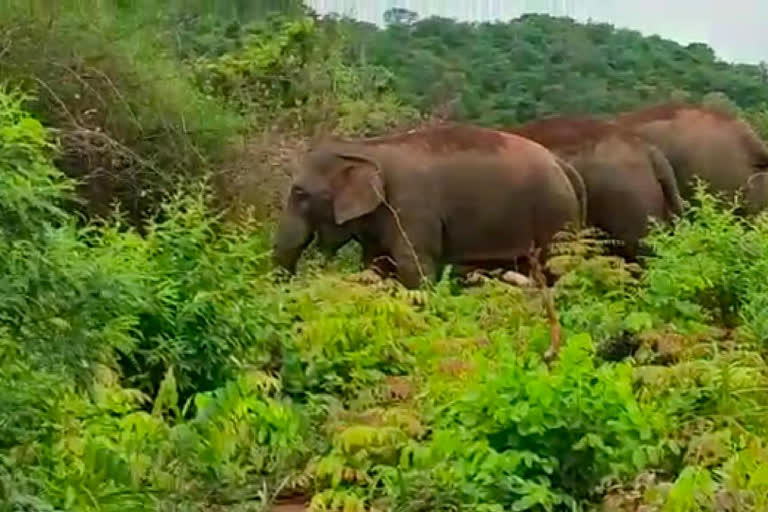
293,235
331,238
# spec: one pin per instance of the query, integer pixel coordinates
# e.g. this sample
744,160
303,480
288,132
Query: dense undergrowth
163,367
173,372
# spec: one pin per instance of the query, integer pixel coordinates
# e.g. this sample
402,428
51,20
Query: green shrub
245,440
525,437
179,296
710,268
52,297
698,271
597,292
755,303
209,309
348,339
291,71
31,189
106,335
131,123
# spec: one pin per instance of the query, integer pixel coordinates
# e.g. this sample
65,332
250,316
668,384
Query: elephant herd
476,197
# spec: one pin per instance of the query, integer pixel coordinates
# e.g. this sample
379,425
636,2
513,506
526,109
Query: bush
710,268
523,436
88,311
291,71
31,188
204,315
131,123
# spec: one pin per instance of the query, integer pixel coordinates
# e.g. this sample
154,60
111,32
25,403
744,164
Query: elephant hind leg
665,175
634,252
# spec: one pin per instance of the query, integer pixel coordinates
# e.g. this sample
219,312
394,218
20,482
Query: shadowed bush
132,125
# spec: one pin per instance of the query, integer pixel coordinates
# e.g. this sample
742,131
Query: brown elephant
457,194
628,181
720,149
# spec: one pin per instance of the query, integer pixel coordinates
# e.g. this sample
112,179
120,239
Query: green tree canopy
537,65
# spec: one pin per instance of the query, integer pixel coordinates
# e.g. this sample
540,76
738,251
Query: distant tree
701,51
400,16
243,10
535,65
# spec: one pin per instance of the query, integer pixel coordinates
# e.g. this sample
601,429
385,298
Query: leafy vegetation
161,366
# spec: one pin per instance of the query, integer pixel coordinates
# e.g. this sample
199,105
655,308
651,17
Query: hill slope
536,65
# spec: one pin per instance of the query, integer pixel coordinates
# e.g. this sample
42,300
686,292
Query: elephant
628,180
452,194
715,146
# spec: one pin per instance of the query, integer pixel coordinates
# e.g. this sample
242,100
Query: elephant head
335,187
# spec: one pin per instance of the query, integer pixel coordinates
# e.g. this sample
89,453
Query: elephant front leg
378,260
413,272
414,267
415,244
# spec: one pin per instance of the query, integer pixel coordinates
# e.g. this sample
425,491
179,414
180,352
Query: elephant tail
756,189
577,182
665,175
758,150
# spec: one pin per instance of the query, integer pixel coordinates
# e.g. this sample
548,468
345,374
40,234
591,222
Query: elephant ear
358,188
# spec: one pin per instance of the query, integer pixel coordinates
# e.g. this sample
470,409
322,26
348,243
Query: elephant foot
478,277
384,266
367,277
516,279
475,278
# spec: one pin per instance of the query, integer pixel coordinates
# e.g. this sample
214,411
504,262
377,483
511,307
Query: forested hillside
151,358
539,65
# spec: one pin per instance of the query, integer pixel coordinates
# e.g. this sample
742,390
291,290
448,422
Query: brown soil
257,174
296,504
290,507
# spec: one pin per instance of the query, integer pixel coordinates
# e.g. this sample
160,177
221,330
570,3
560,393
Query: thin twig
268,501
125,150
83,131
58,100
401,229
109,81
9,42
80,79
549,304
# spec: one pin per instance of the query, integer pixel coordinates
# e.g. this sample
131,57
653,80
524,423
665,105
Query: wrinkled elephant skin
699,142
628,181
453,194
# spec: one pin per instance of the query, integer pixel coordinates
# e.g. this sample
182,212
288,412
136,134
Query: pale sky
736,29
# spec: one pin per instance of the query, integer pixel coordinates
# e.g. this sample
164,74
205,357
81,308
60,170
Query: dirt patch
290,507
258,173
296,504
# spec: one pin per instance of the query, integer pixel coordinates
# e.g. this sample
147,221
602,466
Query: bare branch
406,238
549,303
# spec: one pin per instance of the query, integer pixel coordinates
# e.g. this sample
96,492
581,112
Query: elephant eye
299,193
